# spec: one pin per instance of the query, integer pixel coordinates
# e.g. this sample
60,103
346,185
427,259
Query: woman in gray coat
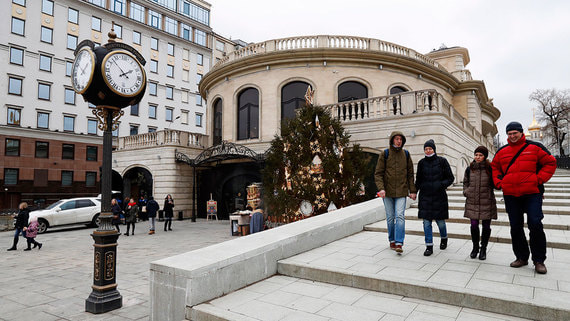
480,202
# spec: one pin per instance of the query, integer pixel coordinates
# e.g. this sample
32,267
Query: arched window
217,121
248,114
394,91
397,89
351,90
292,98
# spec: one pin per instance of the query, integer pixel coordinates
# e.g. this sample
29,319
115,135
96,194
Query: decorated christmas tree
311,166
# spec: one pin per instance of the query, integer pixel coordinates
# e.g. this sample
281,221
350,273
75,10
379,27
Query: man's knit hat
483,150
430,143
514,125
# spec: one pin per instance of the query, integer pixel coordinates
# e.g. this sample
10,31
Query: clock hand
123,73
126,73
83,69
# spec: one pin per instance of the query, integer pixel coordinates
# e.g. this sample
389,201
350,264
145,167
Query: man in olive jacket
394,179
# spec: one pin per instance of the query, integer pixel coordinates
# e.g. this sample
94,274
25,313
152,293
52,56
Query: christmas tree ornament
361,190
317,165
331,207
309,95
317,123
306,208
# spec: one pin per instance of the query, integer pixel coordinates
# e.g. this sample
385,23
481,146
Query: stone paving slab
449,276
556,238
291,298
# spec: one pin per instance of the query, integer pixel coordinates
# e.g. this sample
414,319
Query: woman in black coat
168,212
21,222
117,212
433,177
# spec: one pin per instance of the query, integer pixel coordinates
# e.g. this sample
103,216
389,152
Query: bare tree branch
554,113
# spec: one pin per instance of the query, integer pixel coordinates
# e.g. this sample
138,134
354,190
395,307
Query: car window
54,205
68,205
83,203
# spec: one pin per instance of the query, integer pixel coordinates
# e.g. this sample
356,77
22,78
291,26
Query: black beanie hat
430,143
514,125
483,150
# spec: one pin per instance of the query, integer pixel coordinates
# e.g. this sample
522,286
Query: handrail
163,137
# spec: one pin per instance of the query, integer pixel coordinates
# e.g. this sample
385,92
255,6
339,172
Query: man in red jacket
521,181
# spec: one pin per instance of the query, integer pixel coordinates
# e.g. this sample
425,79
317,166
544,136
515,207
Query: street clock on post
83,69
123,74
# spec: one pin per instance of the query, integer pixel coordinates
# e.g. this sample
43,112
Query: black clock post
111,77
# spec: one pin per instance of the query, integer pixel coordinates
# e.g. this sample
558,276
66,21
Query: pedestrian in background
433,177
31,233
131,215
151,209
21,222
117,212
168,212
142,202
480,202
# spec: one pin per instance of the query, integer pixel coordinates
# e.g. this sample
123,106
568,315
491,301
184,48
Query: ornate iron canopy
220,152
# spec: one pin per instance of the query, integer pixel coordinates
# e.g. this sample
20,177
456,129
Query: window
171,26
72,42
169,92
200,59
195,12
68,123
154,19
217,134
16,56
135,110
119,6
44,91
184,117
100,3
198,100
45,63
72,15
186,32
95,23
220,46
91,153
153,43
198,78
43,120
152,88
66,179
115,132
90,178
170,71
118,30
20,2
47,7
136,37
46,35
292,98
69,96
351,90
134,130
15,86
18,26
153,66
42,149
170,49
170,4
152,111
200,37
14,116
10,176
394,91
198,120
137,12
91,126
12,147
169,113
67,151
68,68
248,114
151,129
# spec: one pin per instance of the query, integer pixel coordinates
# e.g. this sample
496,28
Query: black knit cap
514,125
483,150
430,143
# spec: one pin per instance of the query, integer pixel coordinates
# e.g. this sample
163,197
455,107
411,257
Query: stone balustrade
159,138
325,41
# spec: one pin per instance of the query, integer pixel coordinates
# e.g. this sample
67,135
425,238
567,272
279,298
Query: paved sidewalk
53,283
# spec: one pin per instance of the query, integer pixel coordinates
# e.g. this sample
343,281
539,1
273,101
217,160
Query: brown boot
540,268
518,263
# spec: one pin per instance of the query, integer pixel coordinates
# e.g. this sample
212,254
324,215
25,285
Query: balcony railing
325,41
161,138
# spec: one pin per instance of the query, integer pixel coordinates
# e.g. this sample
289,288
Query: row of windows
46,34
11,177
15,87
42,150
134,128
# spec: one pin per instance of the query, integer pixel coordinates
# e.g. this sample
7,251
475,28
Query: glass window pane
198,100
13,116
68,151
171,49
152,129
92,126
15,86
248,114
119,6
90,178
137,12
151,111
44,91
66,180
169,93
47,7
16,56
169,113
153,43
18,26
292,98
68,123
68,68
20,2
136,37
195,12
69,96
118,30
42,149
45,63
92,153
12,147
72,42
199,59
153,66
135,110
133,130
217,122
46,35
152,88
171,26
351,90
43,120
198,78
186,32
199,120
95,23
170,71
72,15
154,19
10,176
200,37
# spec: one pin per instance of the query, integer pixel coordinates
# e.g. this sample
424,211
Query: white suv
84,210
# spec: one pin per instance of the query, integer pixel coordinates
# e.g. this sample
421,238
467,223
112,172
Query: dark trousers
532,206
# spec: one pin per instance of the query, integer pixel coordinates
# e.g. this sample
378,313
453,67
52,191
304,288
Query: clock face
123,73
306,208
82,70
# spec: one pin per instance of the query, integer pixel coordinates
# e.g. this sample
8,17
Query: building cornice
44,134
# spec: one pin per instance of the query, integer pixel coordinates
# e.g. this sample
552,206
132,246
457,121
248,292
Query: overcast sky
515,47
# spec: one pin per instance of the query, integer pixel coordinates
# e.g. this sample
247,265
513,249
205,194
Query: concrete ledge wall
198,276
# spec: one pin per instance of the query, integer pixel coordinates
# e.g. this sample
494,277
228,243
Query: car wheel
42,226
95,221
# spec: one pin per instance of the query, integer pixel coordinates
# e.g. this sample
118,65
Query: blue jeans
19,231
395,207
429,233
532,206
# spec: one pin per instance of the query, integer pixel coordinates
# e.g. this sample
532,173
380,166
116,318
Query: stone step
548,189
288,298
545,202
550,221
364,261
499,194
556,238
546,209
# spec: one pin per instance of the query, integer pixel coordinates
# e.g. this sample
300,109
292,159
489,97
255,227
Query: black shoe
169,229
443,244
127,234
429,250
483,253
28,249
35,245
11,249
40,246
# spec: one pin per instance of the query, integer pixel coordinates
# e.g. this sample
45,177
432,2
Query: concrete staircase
360,278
